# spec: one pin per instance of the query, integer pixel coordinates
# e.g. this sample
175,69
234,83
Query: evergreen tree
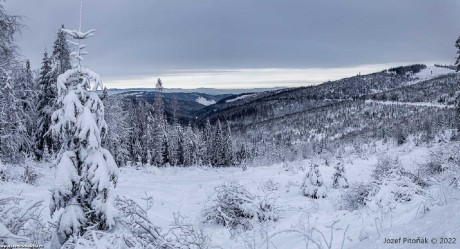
228,146
313,185
219,146
86,173
45,104
339,179
118,136
9,26
457,61
189,146
159,85
174,107
105,93
158,126
165,151
13,119
25,91
61,54
13,132
208,143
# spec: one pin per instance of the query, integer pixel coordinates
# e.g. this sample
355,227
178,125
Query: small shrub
136,230
184,235
30,175
385,165
356,196
392,184
233,206
21,221
269,186
441,160
5,174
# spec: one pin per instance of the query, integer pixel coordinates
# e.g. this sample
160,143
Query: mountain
210,91
394,103
187,103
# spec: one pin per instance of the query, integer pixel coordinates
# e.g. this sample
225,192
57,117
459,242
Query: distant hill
210,91
188,102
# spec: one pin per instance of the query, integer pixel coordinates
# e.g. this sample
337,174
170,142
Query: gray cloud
149,37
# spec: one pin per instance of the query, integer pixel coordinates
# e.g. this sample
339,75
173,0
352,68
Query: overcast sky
244,43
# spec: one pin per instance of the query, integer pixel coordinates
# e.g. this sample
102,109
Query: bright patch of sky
246,78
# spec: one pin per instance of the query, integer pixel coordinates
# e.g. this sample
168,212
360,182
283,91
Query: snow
423,104
187,190
441,222
430,72
240,97
205,102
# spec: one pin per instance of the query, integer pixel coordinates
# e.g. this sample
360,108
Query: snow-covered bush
5,174
385,166
184,235
313,185
355,196
339,180
136,230
104,240
269,186
233,206
30,175
21,222
446,158
134,218
392,184
396,188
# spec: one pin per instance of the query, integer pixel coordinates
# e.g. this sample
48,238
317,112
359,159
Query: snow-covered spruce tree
339,180
158,124
86,173
457,61
219,146
208,142
117,139
313,185
27,95
47,94
189,146
13,133
228,146
9,26
61,54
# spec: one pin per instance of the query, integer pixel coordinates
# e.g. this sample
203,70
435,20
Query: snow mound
205,102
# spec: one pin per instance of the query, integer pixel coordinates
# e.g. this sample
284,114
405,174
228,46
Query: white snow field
430,72
240,97
205,102
186,190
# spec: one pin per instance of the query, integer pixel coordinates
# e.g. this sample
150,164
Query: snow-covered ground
240,97
424,104
186,190
430,72
205,102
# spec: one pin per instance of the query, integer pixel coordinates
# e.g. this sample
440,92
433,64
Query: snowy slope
430,72
441,222
240,97
186,190
205,102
